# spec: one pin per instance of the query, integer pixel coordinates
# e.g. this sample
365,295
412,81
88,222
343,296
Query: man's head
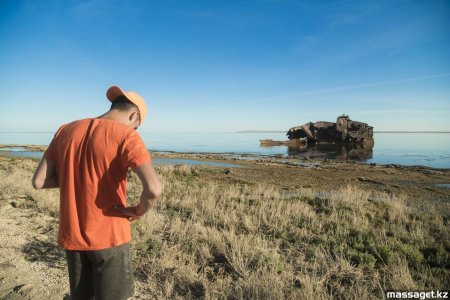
129,106
127,110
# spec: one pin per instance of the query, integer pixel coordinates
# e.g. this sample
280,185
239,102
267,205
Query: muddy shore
425,187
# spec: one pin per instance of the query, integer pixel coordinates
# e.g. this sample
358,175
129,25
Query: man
88,160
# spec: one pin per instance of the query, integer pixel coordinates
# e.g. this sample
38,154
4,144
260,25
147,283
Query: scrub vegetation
218,238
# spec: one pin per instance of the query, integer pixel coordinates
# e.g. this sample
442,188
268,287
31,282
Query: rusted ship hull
343,131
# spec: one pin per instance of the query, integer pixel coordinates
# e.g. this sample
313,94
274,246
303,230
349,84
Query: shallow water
20,152
191,162
426,149
12,149
443,185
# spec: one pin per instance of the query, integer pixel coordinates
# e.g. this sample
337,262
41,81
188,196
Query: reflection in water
358,152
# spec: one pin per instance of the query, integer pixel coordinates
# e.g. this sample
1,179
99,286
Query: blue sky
227,65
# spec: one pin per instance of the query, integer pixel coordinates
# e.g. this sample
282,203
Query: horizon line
252,131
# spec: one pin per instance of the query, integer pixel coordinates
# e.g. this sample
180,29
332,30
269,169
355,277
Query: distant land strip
261,131
411,131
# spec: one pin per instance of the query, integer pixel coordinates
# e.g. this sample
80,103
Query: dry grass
211,239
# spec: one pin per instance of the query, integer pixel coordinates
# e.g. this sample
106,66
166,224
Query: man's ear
134,116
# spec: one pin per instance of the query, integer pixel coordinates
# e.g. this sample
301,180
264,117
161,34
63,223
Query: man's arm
45,176
152,190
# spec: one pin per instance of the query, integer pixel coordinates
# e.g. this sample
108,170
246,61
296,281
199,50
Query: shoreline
421,184
236,156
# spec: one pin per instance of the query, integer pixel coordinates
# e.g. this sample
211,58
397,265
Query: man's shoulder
113,126
98,122
98,125
76,123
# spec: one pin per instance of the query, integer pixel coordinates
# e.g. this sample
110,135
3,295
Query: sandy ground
32,267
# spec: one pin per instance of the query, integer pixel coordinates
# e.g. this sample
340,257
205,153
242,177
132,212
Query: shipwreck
343,131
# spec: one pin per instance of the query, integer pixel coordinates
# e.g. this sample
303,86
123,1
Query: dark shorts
105,274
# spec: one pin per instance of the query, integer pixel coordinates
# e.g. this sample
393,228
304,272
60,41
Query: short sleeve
49,154
134,152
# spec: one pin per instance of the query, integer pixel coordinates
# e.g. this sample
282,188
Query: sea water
426,149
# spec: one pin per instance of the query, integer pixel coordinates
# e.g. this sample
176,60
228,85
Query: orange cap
114,92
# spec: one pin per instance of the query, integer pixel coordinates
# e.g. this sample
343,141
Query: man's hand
151,192
129,211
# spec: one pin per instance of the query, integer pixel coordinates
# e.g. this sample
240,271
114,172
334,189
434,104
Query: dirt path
31,265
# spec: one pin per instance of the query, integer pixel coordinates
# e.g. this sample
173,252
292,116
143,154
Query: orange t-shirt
92,157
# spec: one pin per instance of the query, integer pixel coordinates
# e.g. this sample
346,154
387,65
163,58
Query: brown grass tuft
214,239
